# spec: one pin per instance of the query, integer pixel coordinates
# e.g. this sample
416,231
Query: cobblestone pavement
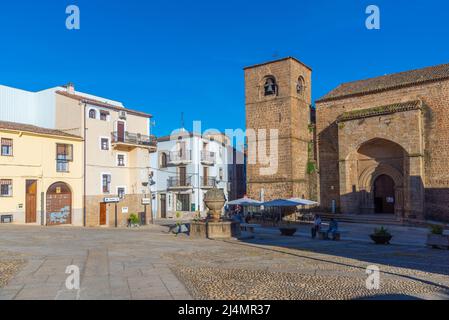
10,265
151,264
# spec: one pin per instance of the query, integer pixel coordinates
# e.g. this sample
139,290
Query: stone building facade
383,145
278,96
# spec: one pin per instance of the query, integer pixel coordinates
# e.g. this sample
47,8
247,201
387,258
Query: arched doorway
384,195
59,204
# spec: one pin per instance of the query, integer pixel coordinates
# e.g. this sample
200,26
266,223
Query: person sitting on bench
333,229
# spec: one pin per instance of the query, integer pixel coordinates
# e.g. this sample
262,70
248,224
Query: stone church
384,145
381,144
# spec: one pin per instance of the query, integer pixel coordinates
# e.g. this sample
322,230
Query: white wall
35,108
194,169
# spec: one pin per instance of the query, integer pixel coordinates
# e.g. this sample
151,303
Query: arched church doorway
384,195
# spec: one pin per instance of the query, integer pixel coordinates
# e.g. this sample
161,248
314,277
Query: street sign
146,201
111,200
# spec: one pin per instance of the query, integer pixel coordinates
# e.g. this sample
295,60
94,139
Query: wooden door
103,213
31,201
121,131
205,176
384,194
182,176
163,206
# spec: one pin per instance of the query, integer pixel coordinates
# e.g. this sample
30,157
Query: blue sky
168,57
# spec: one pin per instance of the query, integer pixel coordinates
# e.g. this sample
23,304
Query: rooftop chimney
70,88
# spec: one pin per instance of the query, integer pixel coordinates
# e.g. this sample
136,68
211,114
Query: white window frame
108,116
109,143
125,159
121,187
97,113
10,149
101,182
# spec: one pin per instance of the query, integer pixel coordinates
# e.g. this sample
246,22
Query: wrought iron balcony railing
134,139
207,156
180,156
179,182
208,182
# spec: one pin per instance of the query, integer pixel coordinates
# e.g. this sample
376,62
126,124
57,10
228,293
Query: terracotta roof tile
34,129
388,82
103,104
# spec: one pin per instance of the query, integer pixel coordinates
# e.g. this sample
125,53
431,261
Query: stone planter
288,232
437,241
381,239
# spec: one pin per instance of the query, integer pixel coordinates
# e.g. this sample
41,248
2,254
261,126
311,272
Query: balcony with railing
179,183
128,140
180,157
208,157
208,182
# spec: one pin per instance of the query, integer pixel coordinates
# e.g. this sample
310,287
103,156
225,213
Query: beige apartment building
41,176
117,147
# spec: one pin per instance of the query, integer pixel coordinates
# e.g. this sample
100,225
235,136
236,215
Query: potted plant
134,220
287,230
436,238
381,236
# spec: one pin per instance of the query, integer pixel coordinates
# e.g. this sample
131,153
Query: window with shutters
5,188
64,155
104,115
7,147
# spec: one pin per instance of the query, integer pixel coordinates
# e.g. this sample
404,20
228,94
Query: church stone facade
384,145
278,96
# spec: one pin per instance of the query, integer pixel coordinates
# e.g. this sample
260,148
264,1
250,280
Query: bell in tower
270,86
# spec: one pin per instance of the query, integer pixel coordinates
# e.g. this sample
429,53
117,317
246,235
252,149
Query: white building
185,167
36,108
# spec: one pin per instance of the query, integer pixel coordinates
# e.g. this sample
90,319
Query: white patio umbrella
293,202
244,202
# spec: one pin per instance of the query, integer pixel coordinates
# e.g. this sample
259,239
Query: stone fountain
215,227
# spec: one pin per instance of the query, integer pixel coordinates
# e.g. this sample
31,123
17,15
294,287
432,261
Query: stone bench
324,234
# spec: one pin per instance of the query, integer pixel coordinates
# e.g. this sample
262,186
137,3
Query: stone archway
59,204
363,167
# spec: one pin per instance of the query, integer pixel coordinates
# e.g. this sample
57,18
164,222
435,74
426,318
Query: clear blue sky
168,57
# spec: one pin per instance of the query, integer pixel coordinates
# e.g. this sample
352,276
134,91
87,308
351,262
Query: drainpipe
84,167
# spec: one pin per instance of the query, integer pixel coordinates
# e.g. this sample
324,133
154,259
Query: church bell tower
278,96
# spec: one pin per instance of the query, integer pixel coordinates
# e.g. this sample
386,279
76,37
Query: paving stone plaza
150,263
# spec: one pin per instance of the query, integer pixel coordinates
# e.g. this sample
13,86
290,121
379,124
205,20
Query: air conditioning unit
122,115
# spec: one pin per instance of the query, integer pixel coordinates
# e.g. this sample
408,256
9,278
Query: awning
293,202
244,202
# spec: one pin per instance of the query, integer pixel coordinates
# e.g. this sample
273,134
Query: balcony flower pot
287,231
381,239
437,241
381,236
